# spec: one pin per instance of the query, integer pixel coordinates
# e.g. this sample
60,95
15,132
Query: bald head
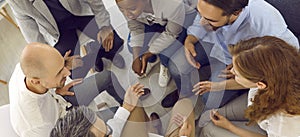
37,59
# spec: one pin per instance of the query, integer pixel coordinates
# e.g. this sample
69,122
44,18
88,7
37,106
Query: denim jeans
181,71
169,51
92,86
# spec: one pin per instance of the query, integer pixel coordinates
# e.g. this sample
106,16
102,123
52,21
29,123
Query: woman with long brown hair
271,65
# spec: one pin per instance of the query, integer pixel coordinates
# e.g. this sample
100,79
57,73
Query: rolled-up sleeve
196,29
136,33
101,14
174,25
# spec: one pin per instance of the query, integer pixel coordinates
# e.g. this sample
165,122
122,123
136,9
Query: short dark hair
76,123
229,6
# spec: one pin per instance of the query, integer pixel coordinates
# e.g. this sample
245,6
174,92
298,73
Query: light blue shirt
257,19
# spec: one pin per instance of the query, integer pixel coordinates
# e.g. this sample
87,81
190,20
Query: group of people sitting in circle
244,54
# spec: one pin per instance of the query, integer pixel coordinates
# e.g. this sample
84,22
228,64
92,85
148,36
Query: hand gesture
64,91
72,62
190,54
137,66
145,58
185,127
106,37
206,86
132,96
219,120
226,73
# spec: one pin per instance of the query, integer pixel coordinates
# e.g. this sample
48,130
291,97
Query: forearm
243,132
136,52
191,39
231,84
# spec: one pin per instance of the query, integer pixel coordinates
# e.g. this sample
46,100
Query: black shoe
118,61
156,122
99,65
171,99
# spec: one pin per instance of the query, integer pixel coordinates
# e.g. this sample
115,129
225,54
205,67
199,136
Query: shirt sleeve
118,122
38,131
28,25
101,14
264,23
174,25
136,33
196,29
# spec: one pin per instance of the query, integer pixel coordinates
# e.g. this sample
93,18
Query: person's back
36,107
28,114
290,11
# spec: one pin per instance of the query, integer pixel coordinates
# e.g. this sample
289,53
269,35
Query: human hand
190,54
72,62
185,127
220,120
64,91
132,96
106,37
226,73
206,86
137,66
144,59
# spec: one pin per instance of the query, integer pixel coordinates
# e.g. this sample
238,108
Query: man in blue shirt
219,24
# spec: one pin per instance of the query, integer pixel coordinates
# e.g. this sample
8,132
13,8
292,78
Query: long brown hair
277,64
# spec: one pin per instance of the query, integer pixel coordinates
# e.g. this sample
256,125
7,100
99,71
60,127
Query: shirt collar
238,22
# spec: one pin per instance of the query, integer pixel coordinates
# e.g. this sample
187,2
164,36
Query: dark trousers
68,40
92,86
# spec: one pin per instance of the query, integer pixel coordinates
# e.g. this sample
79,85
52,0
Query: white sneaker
149,67
164,76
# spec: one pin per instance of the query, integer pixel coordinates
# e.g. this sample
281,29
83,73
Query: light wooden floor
11,45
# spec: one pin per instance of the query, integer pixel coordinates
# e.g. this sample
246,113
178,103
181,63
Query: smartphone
146,93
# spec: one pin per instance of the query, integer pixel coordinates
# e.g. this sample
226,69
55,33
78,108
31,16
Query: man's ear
261,85
35,81
236,13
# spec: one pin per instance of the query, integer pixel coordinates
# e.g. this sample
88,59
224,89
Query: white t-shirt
280,124
33,115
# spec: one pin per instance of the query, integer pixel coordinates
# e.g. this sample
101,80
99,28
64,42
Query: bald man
34,85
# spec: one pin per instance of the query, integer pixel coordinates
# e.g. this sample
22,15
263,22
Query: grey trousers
235,112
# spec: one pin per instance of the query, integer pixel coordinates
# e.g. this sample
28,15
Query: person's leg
91,87
67,41
234,110
149,32
185,108
136,124
88,26
219,98
211,130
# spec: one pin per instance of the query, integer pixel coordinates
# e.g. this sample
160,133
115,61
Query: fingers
193,52
73,83
67,54
214,115
178,119
226,76
185,123
111,41
202,87
68,93
99,37
105,44
191,59
144,65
